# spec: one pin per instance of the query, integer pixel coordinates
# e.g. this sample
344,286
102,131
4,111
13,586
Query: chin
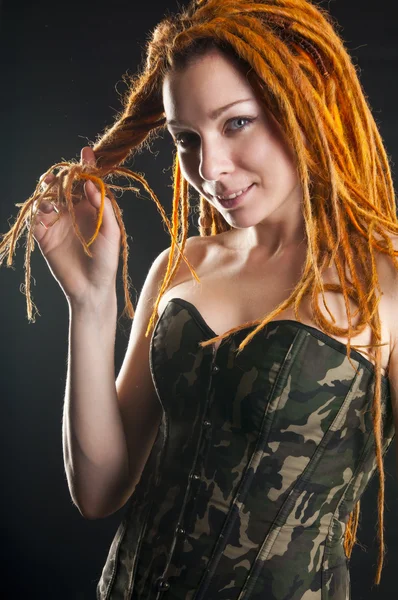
240,223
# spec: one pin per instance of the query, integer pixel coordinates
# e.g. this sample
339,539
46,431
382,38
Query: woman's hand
82,279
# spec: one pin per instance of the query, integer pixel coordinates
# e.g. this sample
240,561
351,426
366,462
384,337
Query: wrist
94,304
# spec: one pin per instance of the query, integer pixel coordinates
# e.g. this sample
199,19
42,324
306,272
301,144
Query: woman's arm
94,444
107,434
109,429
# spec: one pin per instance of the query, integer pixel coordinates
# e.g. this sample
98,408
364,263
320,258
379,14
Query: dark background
62,68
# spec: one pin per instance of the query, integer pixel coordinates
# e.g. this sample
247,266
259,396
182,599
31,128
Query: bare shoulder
197,250
388,280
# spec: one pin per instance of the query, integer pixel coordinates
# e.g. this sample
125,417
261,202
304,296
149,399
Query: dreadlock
296,61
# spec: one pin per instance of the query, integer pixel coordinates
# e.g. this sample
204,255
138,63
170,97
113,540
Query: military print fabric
258,462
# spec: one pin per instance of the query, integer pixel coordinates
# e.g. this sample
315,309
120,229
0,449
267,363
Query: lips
228,195
236,199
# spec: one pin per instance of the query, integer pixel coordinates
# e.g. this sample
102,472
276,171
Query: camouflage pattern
258,462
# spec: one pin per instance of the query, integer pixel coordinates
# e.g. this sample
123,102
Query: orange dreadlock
297,62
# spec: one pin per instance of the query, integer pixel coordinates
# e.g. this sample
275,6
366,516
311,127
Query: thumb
93,194
87,156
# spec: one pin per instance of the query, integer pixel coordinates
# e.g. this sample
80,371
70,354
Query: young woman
244,431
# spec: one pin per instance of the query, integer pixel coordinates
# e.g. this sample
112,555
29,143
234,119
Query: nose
215,160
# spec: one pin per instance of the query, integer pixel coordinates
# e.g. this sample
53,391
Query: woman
247,458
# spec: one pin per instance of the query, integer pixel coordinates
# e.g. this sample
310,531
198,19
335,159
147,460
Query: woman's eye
187,139
241,121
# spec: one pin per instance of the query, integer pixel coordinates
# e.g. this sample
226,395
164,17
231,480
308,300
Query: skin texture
241,146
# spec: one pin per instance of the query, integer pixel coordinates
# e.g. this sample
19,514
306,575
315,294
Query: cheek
270,157
257,153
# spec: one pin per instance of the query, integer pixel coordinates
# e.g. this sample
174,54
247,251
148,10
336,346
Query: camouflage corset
258,462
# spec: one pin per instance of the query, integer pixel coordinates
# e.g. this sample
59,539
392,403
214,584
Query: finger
87,156
93,195
46,214
47,224
47,207
47,180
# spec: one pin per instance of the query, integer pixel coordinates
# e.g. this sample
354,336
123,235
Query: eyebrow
215,113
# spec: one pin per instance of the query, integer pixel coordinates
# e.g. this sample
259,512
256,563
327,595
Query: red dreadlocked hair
303,74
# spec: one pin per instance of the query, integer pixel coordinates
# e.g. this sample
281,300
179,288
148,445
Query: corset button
215,369
163,585
207,423
195,476
180,530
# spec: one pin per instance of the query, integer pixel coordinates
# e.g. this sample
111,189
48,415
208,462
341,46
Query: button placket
206,425
162,584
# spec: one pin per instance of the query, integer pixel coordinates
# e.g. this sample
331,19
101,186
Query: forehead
208,82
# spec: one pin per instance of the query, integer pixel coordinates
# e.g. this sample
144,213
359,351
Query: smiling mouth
234,195
235,199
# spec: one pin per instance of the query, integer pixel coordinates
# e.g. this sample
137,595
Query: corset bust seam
279,522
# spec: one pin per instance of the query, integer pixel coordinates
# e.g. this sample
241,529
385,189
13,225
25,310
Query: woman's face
226,142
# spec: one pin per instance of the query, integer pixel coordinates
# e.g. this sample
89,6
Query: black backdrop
62,68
